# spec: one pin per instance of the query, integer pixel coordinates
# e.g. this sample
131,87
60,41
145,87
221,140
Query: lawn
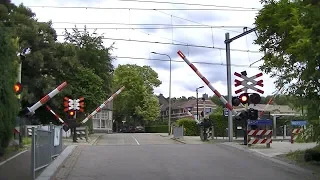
297,158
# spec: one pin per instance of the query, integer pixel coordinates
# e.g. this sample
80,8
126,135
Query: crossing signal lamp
235,101
244,98
255,98
17,88
71,114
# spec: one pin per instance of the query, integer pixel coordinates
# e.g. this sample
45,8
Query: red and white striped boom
205,80
56,115
46,98
191,115
102,105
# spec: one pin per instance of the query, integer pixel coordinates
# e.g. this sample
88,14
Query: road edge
287,166
54,166
178,140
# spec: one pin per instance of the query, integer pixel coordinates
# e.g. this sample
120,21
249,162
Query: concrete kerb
178,140
54,166
290,167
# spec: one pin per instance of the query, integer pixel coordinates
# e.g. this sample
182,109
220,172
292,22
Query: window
97,116
208,110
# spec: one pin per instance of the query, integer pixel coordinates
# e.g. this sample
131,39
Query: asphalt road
18,168
134,139
150,156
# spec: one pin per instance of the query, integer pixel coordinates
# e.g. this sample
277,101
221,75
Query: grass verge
297,158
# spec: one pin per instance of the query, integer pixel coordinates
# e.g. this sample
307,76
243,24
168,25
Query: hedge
157,129
312,154
190,126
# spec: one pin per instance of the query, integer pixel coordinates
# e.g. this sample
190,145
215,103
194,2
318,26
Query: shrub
157,129
190,126
312,154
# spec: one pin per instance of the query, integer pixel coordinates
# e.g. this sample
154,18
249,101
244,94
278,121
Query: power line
141,9
176,44
189,4
187,27
152,24
195,62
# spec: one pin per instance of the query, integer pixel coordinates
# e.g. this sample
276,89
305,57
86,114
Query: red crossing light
17,88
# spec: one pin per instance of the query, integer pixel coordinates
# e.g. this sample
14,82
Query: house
273,109
102,121
179,108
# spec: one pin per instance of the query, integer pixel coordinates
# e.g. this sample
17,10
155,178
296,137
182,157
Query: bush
190,126
157,129
312,154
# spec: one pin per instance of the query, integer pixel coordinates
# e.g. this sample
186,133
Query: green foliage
8,101
190,126
312,154
288,34
137,100
157,129
220,122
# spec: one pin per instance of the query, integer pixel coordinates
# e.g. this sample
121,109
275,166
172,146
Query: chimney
205,96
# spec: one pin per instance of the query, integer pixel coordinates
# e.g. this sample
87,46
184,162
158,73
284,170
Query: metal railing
46,144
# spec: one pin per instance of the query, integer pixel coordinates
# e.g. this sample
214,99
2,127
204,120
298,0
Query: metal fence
46,144
178,132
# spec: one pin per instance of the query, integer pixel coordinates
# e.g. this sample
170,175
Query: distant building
102,121
273,109
179,108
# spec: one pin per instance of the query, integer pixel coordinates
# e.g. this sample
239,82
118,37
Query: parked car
139,129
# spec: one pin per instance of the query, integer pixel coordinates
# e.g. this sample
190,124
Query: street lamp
169,121
198,102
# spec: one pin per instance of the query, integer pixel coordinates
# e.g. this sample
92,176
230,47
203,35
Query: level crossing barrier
297,128
259,136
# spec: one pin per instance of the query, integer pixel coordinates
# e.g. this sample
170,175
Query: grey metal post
284,131
229,86
274,127
169,121
51,141
33,156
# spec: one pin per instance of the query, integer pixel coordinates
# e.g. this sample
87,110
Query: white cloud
183,78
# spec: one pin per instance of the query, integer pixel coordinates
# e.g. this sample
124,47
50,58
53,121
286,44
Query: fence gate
46,144
178,132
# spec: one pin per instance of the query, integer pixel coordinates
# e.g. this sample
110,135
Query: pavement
155,156
19,167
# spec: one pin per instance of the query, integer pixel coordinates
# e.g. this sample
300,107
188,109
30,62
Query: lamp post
198,102
169,121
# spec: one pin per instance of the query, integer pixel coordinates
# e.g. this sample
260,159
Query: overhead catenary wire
142,9
175,44
195,62
201,27
188,4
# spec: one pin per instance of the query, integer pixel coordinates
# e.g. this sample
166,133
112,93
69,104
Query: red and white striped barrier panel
102,105
31,110
295,133
56,115
205,80
264,140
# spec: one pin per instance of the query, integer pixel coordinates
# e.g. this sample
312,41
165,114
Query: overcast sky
199,29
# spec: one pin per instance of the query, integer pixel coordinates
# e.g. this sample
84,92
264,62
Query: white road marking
135,140
2,163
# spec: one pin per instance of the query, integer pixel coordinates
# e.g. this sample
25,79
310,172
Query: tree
8,102
91,53
217,101
82,61
288,34
137,100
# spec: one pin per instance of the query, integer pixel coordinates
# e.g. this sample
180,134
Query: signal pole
228,41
